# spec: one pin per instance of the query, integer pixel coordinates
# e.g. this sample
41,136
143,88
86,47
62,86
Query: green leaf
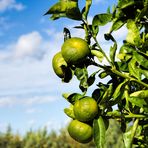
130,134
82,76
119,92
125,4
127,139
143,13
91,78
69,112
66,33
67,75
142,59
67,9
59,7
138,101
72,10
97,94
133,35
99,130
126,52
133,69
141,94
98,54
102,19
103,74
113,52
122,66
107,95
57,16
127,48
139,98
144,72
117,25
72,97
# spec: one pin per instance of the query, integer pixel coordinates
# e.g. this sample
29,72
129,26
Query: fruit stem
128,116
128,77
102,51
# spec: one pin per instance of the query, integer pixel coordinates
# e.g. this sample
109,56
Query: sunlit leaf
98,54
142,59
133,69
72,97
113,52
69,112
99,130
133,35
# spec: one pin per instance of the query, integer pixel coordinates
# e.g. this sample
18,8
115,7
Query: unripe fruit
57,63
85,109
75,50
80,131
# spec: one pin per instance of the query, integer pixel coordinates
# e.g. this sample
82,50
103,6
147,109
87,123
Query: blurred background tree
42,139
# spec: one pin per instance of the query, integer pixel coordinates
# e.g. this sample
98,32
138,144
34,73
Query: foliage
124,96
42,139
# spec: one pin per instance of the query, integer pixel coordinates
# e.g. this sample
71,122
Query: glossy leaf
102,19
67,9
98,54
119,92
144,72
59,7
142,59
69,112
140,94
113,52
72,97
133,35
99,130
139,98
117,25
127,139
122,66
82,76
107,95
138,101
133,69
103,74
67,74
72,10
91,78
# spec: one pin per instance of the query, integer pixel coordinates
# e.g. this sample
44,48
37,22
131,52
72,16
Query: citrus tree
124,96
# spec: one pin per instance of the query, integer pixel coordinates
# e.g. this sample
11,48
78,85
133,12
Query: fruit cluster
74,52
85,110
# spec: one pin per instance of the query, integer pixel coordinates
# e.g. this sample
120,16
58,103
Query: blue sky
30,92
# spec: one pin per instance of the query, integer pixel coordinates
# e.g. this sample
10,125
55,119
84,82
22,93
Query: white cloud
10,4
6,101
30,45
27,45
28,101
